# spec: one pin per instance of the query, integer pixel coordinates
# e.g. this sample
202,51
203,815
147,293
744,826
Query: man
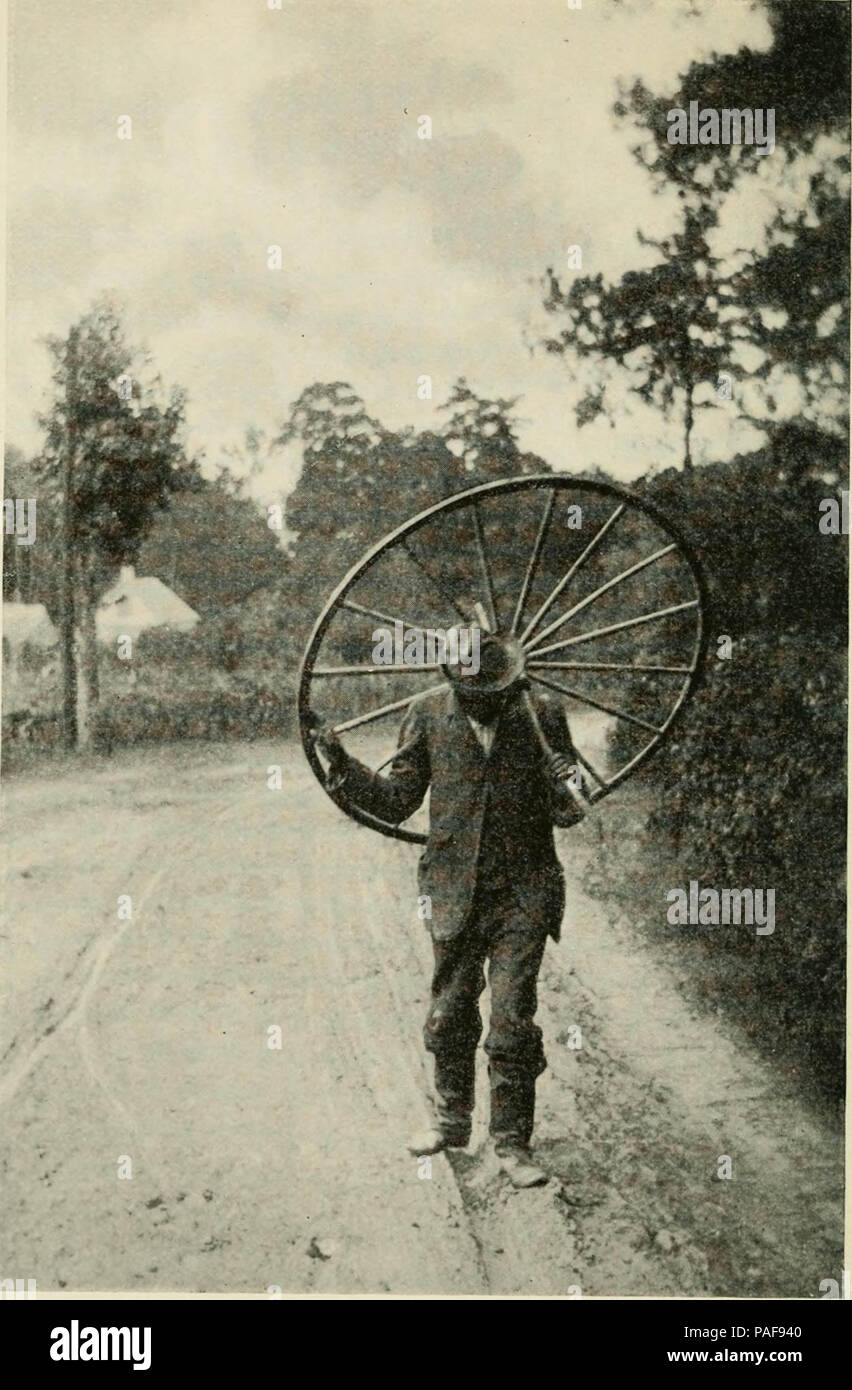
490,875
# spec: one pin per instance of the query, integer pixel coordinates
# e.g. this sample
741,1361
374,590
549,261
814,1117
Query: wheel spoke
609,666
534,559
354,607
436,583
382,710
596,704
610,584
581,560
483,560
377,670
616,627
397,753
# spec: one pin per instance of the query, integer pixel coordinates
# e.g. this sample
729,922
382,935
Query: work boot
454,1089
512,1106
436,1139
517,1163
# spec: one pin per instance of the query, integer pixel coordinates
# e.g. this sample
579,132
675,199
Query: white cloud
298,127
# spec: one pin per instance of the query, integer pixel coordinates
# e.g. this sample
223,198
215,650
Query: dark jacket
488,813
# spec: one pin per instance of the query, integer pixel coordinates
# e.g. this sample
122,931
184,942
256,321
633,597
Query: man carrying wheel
490,875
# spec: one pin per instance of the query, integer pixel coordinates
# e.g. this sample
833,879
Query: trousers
507,927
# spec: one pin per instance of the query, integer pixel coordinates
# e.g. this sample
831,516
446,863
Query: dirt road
156,1137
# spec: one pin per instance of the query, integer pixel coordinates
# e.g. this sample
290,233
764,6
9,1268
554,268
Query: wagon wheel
526,557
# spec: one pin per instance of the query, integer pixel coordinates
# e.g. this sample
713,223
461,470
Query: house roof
134,604
28,622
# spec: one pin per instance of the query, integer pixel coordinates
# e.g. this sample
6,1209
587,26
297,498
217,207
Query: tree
803,77
111,457
340,458
797,298
786,296
663,325
792,287
249,456
484,434
359,480
213,545
482,431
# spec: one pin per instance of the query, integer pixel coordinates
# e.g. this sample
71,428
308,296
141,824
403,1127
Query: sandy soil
284,1168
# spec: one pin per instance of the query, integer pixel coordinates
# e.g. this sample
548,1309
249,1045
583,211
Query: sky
400,257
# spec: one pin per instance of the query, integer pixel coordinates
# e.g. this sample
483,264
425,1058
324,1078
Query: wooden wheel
603,595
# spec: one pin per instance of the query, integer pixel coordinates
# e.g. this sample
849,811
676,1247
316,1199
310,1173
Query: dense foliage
751,789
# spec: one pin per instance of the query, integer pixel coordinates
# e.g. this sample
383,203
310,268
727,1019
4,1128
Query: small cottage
133,605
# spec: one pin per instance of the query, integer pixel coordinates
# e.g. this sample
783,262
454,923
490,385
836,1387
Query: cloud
298,127
353,114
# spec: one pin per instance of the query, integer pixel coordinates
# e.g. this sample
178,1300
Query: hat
501,663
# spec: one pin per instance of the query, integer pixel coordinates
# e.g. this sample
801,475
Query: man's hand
326,741
560,766
561,769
